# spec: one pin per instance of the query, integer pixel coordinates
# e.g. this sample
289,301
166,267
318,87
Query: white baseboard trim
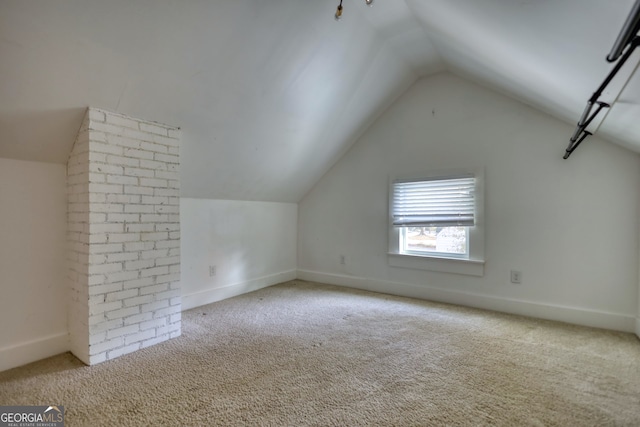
209,296
574,315
32,351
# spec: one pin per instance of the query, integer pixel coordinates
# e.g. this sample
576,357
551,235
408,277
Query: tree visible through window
449,240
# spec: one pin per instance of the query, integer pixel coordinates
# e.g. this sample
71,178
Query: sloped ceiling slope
269,94
547,53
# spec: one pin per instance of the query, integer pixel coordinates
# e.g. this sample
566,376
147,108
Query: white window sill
469,267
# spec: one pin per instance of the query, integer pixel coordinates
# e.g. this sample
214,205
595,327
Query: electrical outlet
212,270
516,276
343,260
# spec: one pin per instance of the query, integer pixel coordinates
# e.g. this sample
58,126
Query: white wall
33,217
638,314
570,226
251,245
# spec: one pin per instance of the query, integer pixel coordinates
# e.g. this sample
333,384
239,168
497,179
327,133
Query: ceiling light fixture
338,14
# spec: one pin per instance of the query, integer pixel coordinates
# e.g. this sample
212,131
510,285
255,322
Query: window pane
450,240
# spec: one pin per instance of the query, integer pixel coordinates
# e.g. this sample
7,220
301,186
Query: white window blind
442,202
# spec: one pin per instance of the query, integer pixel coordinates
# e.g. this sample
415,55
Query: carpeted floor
301,354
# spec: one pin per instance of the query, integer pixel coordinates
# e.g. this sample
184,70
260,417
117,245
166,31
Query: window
444,241
437,217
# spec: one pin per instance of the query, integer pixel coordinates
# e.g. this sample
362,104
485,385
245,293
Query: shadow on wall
41,136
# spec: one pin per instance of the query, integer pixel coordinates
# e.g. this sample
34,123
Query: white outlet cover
516,276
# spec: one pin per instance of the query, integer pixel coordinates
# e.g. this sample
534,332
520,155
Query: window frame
473,263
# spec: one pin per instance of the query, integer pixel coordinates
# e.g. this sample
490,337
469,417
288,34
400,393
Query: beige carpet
301,354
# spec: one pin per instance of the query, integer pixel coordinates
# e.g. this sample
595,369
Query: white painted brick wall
124,236
78,242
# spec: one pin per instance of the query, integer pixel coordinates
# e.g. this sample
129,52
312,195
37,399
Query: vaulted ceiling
270,94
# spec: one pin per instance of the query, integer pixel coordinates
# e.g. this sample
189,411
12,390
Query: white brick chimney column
124,236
